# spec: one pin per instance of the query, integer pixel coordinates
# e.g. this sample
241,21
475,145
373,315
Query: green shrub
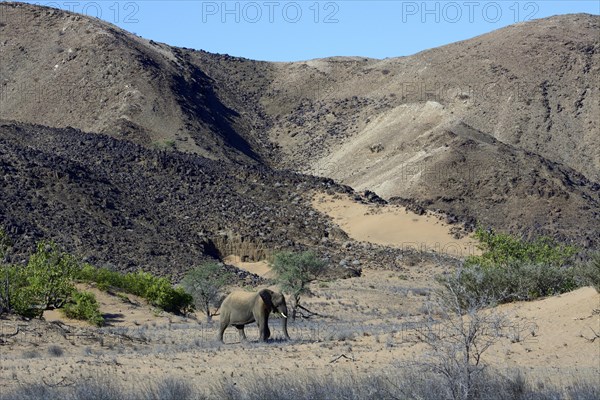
158,291
588,274
49,274
510,282
511,269
104,278
295,271
140,284
44,283
15,294
501,248
84,306
204,284
163,295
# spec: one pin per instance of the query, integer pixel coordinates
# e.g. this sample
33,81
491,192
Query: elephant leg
222,330
241,332
263,330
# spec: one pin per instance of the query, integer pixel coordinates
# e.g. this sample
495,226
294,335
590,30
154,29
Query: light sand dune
393,226
552,332
260,268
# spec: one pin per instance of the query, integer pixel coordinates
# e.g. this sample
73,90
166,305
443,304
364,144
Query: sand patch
394,226
552,332
260,268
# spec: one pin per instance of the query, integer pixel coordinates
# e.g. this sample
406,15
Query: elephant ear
266,295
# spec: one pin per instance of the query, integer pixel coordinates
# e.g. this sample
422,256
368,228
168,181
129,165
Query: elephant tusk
284,316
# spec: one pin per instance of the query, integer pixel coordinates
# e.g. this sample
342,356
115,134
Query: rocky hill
115,203
67,70
501,129
530,85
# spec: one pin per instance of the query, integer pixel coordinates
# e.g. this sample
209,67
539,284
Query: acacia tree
295,271
204,283
44,283
49,275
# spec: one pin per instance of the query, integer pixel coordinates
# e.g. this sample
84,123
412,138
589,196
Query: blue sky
284,30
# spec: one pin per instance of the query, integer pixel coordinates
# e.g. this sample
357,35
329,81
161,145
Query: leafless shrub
376,148
458,333
97,388
343,335
87,351
304,386
34,391
584,389
171,389
520,331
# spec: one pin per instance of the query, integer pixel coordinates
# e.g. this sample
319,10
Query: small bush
588,274
15,294
33,391
98,388
84,306
511,282
31,354
162,294
56,351
44,283
501,248
49,273
295,272
583,389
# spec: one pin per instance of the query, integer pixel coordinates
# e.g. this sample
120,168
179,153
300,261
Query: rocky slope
500,129
115,203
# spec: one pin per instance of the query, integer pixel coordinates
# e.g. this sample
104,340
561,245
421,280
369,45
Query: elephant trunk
284,321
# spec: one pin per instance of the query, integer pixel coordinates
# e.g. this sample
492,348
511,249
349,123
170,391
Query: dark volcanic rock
115,203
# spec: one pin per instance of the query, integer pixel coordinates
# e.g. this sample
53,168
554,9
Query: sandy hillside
394,226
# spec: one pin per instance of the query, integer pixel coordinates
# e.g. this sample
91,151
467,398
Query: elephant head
274,301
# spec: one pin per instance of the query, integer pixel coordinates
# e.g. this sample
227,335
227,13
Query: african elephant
242,308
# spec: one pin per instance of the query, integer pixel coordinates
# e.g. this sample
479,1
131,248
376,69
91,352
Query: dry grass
413,383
